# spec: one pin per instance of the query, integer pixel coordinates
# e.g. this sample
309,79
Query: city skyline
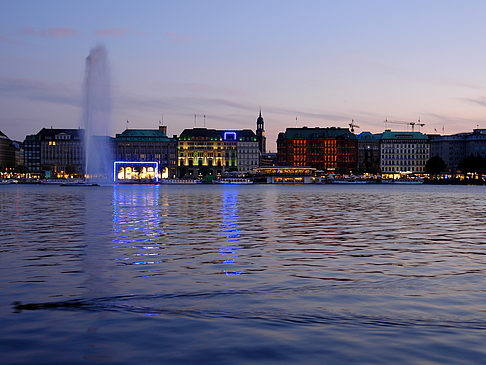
312,64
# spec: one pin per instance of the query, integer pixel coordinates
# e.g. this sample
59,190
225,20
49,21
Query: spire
260,113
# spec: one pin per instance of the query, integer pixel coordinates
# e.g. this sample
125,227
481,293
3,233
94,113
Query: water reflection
229,228
137,227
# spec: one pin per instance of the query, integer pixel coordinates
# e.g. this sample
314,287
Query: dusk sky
322,62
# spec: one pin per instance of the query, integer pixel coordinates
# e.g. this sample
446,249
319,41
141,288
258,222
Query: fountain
98,146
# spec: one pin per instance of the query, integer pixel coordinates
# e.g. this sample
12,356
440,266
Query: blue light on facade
226,134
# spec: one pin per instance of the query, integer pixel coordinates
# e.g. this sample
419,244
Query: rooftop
317,133
156,134
217,134
388,134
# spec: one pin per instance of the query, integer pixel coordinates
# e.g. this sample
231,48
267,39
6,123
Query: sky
304,63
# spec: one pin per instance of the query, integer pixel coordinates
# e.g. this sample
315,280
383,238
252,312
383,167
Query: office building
322,148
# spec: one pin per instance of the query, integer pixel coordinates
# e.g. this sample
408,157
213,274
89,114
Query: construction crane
353,125
413,124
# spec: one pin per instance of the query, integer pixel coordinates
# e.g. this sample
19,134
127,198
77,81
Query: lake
243,274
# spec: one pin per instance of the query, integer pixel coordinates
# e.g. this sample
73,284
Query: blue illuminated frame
115,163
225,135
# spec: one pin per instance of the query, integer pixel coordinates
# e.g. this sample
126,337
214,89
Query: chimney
163,128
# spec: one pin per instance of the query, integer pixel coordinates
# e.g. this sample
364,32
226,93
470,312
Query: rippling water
243,274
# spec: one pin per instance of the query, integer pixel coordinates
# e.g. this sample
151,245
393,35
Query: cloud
5,39
40,91
178,38
54,32
481,100
114,32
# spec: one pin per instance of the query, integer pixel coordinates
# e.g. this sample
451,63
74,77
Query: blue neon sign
226,134
154,163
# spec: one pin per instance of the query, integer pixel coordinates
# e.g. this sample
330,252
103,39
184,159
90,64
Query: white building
404,152
248,151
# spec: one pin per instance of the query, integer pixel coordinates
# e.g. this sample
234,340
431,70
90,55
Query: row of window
404,157
404,163
398,169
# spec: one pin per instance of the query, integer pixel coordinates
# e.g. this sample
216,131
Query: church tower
260,132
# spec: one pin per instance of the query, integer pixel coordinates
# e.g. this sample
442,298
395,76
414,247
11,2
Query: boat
179,181
409,181
346,180
403,181
78,184
233,180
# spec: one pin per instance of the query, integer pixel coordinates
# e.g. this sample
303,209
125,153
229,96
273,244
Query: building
55,152
148,145
19,153
453,149
260,134
205,151
7,152
247,150
369,152
32,154
268,159
404,152
320,148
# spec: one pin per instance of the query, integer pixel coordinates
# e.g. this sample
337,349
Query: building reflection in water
229,228
136,226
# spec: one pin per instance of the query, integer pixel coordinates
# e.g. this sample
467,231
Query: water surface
243,274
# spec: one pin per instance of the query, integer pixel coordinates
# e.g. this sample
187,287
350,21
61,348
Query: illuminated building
369,152
453,149
404,152
205,151
148,145
321,148
135,171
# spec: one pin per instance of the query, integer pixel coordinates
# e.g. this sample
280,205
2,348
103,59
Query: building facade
148,145
32,151
453,149
320,148
404,152
56,152
369,152
268,159
203,151
7,152
247,150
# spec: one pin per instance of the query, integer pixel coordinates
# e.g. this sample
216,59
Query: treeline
472,167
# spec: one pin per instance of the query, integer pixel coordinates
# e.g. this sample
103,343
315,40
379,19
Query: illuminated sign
135,170
227,134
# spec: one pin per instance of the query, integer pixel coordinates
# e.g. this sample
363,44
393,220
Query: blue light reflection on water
137,226
229,228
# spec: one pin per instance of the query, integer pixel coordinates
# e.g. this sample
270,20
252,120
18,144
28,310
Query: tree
183,171
70,169
204,170
21,169
473,164
342,170
435,165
